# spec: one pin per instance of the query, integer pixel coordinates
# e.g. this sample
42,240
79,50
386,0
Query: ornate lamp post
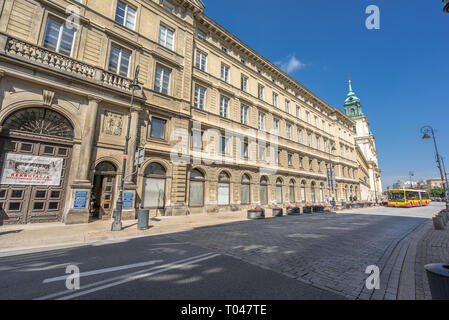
331,175
117,224
427,131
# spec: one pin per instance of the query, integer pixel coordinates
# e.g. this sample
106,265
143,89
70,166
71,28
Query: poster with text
21,169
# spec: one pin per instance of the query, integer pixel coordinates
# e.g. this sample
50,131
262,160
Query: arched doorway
196,190
103,190
153,195
263,191
36,150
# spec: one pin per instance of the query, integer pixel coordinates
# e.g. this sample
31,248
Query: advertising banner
21,169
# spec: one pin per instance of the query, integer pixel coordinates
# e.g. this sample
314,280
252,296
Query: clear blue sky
400,72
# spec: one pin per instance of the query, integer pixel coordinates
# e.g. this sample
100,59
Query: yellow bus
407,198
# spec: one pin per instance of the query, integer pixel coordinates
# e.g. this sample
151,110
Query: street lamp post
375,186
330,174
117,224
411,175
426,131
445,173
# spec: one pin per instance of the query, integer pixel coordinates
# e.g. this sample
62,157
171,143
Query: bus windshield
396,196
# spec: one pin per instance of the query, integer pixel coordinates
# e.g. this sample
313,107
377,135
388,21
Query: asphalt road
289,258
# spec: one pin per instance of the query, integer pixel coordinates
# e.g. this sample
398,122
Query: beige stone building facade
222,127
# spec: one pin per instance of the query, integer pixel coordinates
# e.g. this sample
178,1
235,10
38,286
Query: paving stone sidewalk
432,248
18,237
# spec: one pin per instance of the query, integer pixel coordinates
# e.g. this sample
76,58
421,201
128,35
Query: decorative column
82,186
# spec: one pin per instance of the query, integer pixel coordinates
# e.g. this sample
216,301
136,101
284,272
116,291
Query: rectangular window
168,6
308,117
225,75
162,80
317,142
245,83
201,60
323,125
289,131
261,121
125,15
300,136
119,61
244,114
261,153
224,107
261,92
166,37
275,99
290,157
245,149
202,35
276,126
276,157
197,140
223,145
200,97
58,37
309,140
298,112
316,121
287,106
157,128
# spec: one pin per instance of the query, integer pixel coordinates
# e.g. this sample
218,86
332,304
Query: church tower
365,140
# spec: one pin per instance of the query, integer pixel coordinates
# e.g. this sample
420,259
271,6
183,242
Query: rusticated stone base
76,217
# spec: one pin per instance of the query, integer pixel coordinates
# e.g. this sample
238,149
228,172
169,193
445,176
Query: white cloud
290,64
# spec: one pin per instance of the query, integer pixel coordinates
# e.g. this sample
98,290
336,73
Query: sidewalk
40,235
432,248
36,235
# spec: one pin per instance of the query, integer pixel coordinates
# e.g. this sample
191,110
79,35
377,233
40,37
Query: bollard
438,223
438,276
143,217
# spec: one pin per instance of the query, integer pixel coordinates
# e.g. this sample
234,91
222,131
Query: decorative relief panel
112,123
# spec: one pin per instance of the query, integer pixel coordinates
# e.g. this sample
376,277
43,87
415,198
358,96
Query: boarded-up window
223,189
196,194
246,186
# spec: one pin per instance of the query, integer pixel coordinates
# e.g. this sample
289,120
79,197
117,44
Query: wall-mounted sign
80,201
20,169
128,200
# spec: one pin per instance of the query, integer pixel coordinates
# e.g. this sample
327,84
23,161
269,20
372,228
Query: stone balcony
43,58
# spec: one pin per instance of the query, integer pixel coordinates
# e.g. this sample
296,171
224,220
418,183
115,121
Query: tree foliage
436,192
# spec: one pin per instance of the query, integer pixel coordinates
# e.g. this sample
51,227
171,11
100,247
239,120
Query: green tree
436,192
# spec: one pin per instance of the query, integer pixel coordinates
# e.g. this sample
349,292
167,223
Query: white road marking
105,270
53,295
136,277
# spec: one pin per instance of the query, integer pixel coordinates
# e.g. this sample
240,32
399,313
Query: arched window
263,191
303,191
279,191
223,189
292,191
246,190
196,190
346,192
40,121
312,191
153,195
321,193
351,197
